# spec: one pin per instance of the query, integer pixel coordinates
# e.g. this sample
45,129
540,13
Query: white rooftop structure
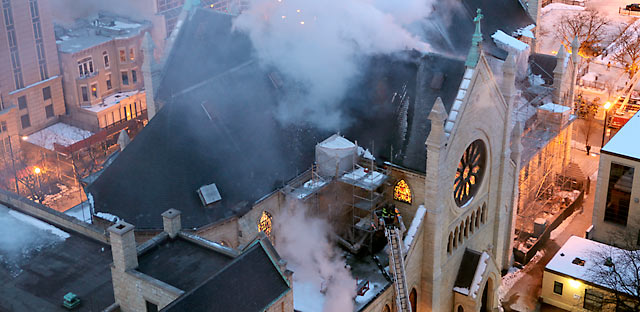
209,194
588,251
625,142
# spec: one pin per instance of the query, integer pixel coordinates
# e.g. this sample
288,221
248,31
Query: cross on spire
474,52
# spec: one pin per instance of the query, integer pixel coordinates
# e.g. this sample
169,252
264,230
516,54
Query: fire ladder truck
396,263
625,110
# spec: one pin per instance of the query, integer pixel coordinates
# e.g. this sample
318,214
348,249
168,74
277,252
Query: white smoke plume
303,241
318,47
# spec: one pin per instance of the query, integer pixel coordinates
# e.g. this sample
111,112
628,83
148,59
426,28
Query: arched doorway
487,296
413,300
386,308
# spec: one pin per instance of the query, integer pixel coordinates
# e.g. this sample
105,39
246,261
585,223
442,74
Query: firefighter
389,213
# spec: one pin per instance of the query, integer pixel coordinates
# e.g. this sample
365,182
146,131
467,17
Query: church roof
251,282
217,124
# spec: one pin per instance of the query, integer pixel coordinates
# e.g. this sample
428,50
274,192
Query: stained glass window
402,192
264,224
469,172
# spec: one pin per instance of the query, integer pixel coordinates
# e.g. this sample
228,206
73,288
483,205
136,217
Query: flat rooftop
181,263
625,142
89,33
41,263
59,133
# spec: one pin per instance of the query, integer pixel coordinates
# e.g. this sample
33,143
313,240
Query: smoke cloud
318,47
321,280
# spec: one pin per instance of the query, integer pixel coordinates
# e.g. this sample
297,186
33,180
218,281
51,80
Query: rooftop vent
70,301
578,261
209,194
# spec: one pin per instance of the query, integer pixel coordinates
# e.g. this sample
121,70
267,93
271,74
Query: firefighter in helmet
389,214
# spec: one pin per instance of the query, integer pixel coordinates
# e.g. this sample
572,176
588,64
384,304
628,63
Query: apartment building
616,208
101,63
30,84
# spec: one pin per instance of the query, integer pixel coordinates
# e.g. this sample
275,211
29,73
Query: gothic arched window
264,224
402,192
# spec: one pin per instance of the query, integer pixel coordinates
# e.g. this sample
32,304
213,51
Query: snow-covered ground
21,236
512,277
59,133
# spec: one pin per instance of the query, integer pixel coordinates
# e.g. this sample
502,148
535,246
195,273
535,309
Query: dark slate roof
467,269
250,283
77,264
217,126
181,263
451,25
543,65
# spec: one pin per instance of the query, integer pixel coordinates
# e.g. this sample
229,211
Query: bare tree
618,270
588,26
587,113
627,50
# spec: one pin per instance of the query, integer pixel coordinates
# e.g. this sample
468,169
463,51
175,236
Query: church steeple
474,52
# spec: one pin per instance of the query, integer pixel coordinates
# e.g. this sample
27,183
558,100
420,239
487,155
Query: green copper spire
474,52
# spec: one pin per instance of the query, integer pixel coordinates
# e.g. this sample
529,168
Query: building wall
283,304
33,71
608,232
132,289
225,232
444,218
73,82
573,291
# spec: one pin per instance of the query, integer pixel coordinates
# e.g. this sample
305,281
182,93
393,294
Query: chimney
123,246
171,222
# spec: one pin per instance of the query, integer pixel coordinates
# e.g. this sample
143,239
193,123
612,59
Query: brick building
101,61
31,84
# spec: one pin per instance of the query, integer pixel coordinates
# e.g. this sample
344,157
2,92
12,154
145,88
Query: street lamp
37,170
607,106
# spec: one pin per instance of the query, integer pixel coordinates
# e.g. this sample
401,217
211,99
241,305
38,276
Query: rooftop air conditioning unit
209,194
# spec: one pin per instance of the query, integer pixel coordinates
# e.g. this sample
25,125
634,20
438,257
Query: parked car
633,7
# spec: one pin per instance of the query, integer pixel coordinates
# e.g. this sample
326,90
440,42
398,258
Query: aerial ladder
621,116
396,264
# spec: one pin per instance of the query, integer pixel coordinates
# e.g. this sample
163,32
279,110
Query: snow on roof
413,228
525,31
86,34
59,133
477,277
22,236
560,6
111,100
336,142
584,249
107,216
556,108
625,142
364,178
501,37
